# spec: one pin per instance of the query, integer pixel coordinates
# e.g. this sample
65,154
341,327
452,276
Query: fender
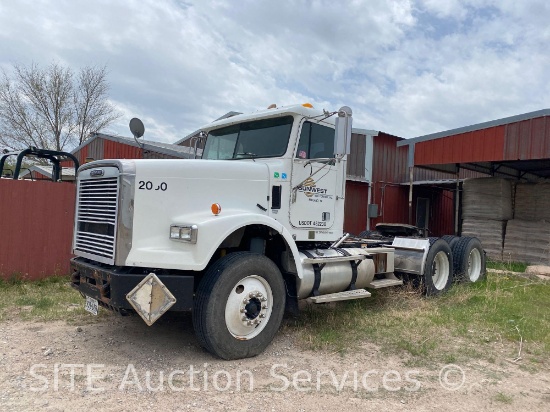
243,220
212,231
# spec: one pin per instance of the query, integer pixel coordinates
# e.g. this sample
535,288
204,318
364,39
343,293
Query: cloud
405,67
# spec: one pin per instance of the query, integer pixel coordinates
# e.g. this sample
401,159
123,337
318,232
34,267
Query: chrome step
335,297
384,283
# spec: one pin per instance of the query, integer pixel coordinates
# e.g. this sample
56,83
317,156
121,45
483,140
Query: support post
457,199
369,201
411,177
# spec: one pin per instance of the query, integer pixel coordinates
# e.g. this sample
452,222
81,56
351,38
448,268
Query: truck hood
182,192
202,169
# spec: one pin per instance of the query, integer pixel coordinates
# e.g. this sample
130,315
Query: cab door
314,178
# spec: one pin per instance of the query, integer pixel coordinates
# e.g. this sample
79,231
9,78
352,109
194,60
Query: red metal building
101,146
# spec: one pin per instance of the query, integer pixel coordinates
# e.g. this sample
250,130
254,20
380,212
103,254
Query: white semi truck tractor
244,232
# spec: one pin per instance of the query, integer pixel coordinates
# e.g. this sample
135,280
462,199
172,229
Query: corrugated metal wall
421,174
36,228
389,169
441,217
392,201
528,139
81,155
95,149
523,140
356,158
475,146
355,208
115,150
40,227
389,161
99,149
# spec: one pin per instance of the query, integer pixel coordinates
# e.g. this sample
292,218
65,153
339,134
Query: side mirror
342,132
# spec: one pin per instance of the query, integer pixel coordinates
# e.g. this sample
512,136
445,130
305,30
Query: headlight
184,233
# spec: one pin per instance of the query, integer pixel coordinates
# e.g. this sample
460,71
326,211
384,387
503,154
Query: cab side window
316,142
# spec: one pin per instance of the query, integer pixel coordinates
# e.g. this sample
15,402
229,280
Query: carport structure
517,209
516,147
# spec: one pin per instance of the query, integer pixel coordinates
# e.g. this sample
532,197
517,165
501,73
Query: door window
316,142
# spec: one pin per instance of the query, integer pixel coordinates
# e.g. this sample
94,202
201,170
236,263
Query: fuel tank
335,276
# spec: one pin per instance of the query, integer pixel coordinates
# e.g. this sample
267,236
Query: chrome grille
96,219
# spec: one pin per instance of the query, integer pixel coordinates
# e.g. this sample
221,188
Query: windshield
260,138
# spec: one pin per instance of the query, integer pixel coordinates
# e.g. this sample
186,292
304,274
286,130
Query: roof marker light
309,105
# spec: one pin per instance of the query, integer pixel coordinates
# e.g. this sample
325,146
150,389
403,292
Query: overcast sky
406,67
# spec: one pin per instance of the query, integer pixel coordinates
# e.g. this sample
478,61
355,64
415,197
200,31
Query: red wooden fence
36,226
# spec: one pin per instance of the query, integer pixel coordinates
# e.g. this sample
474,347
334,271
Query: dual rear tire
470,263
452,258
469,260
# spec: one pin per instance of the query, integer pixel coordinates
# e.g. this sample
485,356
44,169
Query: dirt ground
120,364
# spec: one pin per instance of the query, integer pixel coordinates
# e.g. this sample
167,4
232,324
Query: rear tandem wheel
469,260
438,268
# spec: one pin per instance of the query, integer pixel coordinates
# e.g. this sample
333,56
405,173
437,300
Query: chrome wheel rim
440,270
474,265
248,307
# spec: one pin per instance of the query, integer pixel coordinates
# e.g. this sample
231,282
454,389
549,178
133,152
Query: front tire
239,305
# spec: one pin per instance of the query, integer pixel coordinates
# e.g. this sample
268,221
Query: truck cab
295,145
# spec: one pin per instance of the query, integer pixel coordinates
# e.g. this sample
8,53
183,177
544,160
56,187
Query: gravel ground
120,364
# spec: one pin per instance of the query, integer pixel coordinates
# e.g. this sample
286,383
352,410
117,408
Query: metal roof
159,147
478,126
67,173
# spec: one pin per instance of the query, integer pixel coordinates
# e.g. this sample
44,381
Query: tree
52,108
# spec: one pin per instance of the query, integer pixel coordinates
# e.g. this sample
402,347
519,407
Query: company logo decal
310,189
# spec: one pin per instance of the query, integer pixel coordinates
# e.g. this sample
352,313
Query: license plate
91,305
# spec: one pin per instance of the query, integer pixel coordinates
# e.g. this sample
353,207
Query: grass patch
47,299
465,323
507,266
503,398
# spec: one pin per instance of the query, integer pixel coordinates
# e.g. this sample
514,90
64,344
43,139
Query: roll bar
52,155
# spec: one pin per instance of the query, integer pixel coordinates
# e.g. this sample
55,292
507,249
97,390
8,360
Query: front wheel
239,305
